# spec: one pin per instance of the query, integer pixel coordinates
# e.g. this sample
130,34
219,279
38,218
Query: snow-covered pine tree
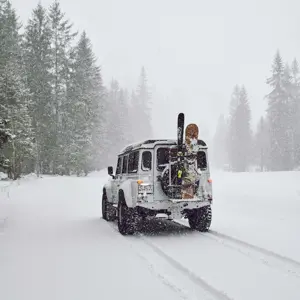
62,37
83,118
243,118
289,116
37,56
240,136
232,134
120,126
125,122
262,145
5,135
277,113
127,125
131,98
4,132
142,109
296,112
114,127
105,152
14,95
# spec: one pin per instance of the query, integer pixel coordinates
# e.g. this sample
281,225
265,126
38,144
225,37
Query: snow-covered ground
54,244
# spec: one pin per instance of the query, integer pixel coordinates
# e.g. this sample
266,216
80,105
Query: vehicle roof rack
154,141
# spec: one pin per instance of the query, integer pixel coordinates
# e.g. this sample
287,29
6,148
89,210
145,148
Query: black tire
107,211
200,219
126,217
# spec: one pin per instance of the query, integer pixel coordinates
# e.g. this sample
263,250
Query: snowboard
180,131
190,178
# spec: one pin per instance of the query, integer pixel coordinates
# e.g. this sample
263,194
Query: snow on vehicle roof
150,144
147,144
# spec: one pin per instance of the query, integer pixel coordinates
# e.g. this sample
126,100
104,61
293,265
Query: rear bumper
171,205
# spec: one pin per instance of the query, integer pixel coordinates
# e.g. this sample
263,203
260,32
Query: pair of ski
185,157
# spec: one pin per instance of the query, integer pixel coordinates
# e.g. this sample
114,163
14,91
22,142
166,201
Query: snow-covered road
54,244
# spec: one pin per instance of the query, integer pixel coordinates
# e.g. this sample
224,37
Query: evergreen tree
295,107
114,126
14,95
142,110
5,135
106,135
278,113
240,137
83,119
289,115
37,56
261,142
62,52
232,136
123,117
119,114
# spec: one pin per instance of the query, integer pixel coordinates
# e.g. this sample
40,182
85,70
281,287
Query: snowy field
54,244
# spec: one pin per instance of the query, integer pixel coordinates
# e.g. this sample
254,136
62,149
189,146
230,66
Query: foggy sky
194,51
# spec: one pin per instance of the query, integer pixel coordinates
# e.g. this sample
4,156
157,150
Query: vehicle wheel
107,212
200,219
126,218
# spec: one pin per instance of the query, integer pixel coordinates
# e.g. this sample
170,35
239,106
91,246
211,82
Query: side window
124,167
119,166
201,160
146,161
133,162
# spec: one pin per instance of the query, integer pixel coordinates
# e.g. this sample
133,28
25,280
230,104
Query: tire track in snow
153,269
267,257
195,283
220,295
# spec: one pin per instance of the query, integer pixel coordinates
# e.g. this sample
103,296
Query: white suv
141,187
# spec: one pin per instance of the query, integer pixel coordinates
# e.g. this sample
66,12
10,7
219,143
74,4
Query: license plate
145,188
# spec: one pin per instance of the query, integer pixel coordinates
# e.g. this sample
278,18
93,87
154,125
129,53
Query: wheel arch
107,189
128,192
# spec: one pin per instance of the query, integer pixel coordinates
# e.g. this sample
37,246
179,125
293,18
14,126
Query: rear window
201,160
162,157
146,161
133,162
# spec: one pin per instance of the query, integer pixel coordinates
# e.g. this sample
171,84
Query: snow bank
3,176
103,174
5,191
259,208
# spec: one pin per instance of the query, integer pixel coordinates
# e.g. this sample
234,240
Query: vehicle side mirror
110,170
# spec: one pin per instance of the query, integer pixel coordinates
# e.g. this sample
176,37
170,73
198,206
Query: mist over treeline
56,115
275,143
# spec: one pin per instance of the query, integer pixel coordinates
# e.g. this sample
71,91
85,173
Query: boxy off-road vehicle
147,183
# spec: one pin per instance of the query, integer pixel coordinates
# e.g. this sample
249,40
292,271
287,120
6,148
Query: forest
274,145
56,115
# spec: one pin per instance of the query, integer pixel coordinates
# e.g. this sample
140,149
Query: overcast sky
194,51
